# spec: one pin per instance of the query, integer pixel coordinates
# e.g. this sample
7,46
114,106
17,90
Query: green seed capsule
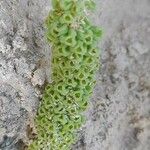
65,4
66,19
75,59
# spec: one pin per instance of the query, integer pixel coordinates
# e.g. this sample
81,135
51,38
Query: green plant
75,58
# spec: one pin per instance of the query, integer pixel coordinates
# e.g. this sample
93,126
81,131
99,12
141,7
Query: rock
22,48
119,114
118,117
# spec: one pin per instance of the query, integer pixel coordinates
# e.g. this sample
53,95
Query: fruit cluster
75,59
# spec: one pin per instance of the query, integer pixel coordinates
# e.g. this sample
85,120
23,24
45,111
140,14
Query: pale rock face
22,73
119,114
118,117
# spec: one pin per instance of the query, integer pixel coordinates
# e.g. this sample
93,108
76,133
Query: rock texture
22,63
119,113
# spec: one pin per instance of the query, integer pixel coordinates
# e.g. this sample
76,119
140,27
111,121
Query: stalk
75,61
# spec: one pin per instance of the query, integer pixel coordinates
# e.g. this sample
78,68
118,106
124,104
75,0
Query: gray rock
118,117
22,63
119,114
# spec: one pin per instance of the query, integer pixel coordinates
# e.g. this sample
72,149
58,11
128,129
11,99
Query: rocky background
118,117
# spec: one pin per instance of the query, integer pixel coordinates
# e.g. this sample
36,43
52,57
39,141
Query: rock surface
118,117
22,62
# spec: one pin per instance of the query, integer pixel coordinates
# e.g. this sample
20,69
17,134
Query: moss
74,65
